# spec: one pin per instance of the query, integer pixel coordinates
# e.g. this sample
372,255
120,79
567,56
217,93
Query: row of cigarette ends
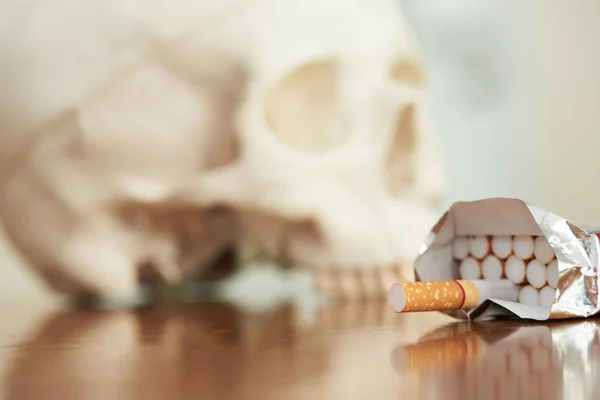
527,261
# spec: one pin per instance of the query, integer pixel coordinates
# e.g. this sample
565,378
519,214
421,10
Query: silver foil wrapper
577,252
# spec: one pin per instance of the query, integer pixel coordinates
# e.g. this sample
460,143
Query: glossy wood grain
352,351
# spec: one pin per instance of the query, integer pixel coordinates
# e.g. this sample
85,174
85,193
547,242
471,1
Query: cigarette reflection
434,354
505,360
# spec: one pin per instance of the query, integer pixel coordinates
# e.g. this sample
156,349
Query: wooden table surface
353,351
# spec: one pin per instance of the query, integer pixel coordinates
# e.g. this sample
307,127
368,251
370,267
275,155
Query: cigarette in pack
541,297
448,295
522,259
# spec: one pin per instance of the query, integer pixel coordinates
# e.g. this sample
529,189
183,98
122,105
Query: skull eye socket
303,108
408,72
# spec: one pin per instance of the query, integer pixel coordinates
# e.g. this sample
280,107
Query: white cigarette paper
491,268
552,273
479,246
542,250
529,296
523,247
502,246
460,247
469,269
547,295
514,268
536,274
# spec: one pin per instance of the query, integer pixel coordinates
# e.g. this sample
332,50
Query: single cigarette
491,268
502,246
514,268
529,296
552,273
536,274
460,247
479,246
469,269
523,247
547,296
448,295
542,250
433,296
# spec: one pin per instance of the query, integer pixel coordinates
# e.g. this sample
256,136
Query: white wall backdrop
514,89
470,49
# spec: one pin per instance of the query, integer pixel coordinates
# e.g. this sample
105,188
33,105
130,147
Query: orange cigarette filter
433,296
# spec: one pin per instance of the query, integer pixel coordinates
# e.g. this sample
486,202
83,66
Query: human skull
140,139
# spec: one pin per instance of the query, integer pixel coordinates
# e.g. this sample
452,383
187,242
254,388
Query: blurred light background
514,91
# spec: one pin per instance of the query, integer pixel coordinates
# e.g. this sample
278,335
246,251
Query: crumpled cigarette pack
577,252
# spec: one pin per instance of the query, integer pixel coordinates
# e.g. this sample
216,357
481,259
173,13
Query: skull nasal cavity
303,108
400,166
407,71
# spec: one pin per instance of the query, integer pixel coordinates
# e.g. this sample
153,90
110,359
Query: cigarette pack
553,261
